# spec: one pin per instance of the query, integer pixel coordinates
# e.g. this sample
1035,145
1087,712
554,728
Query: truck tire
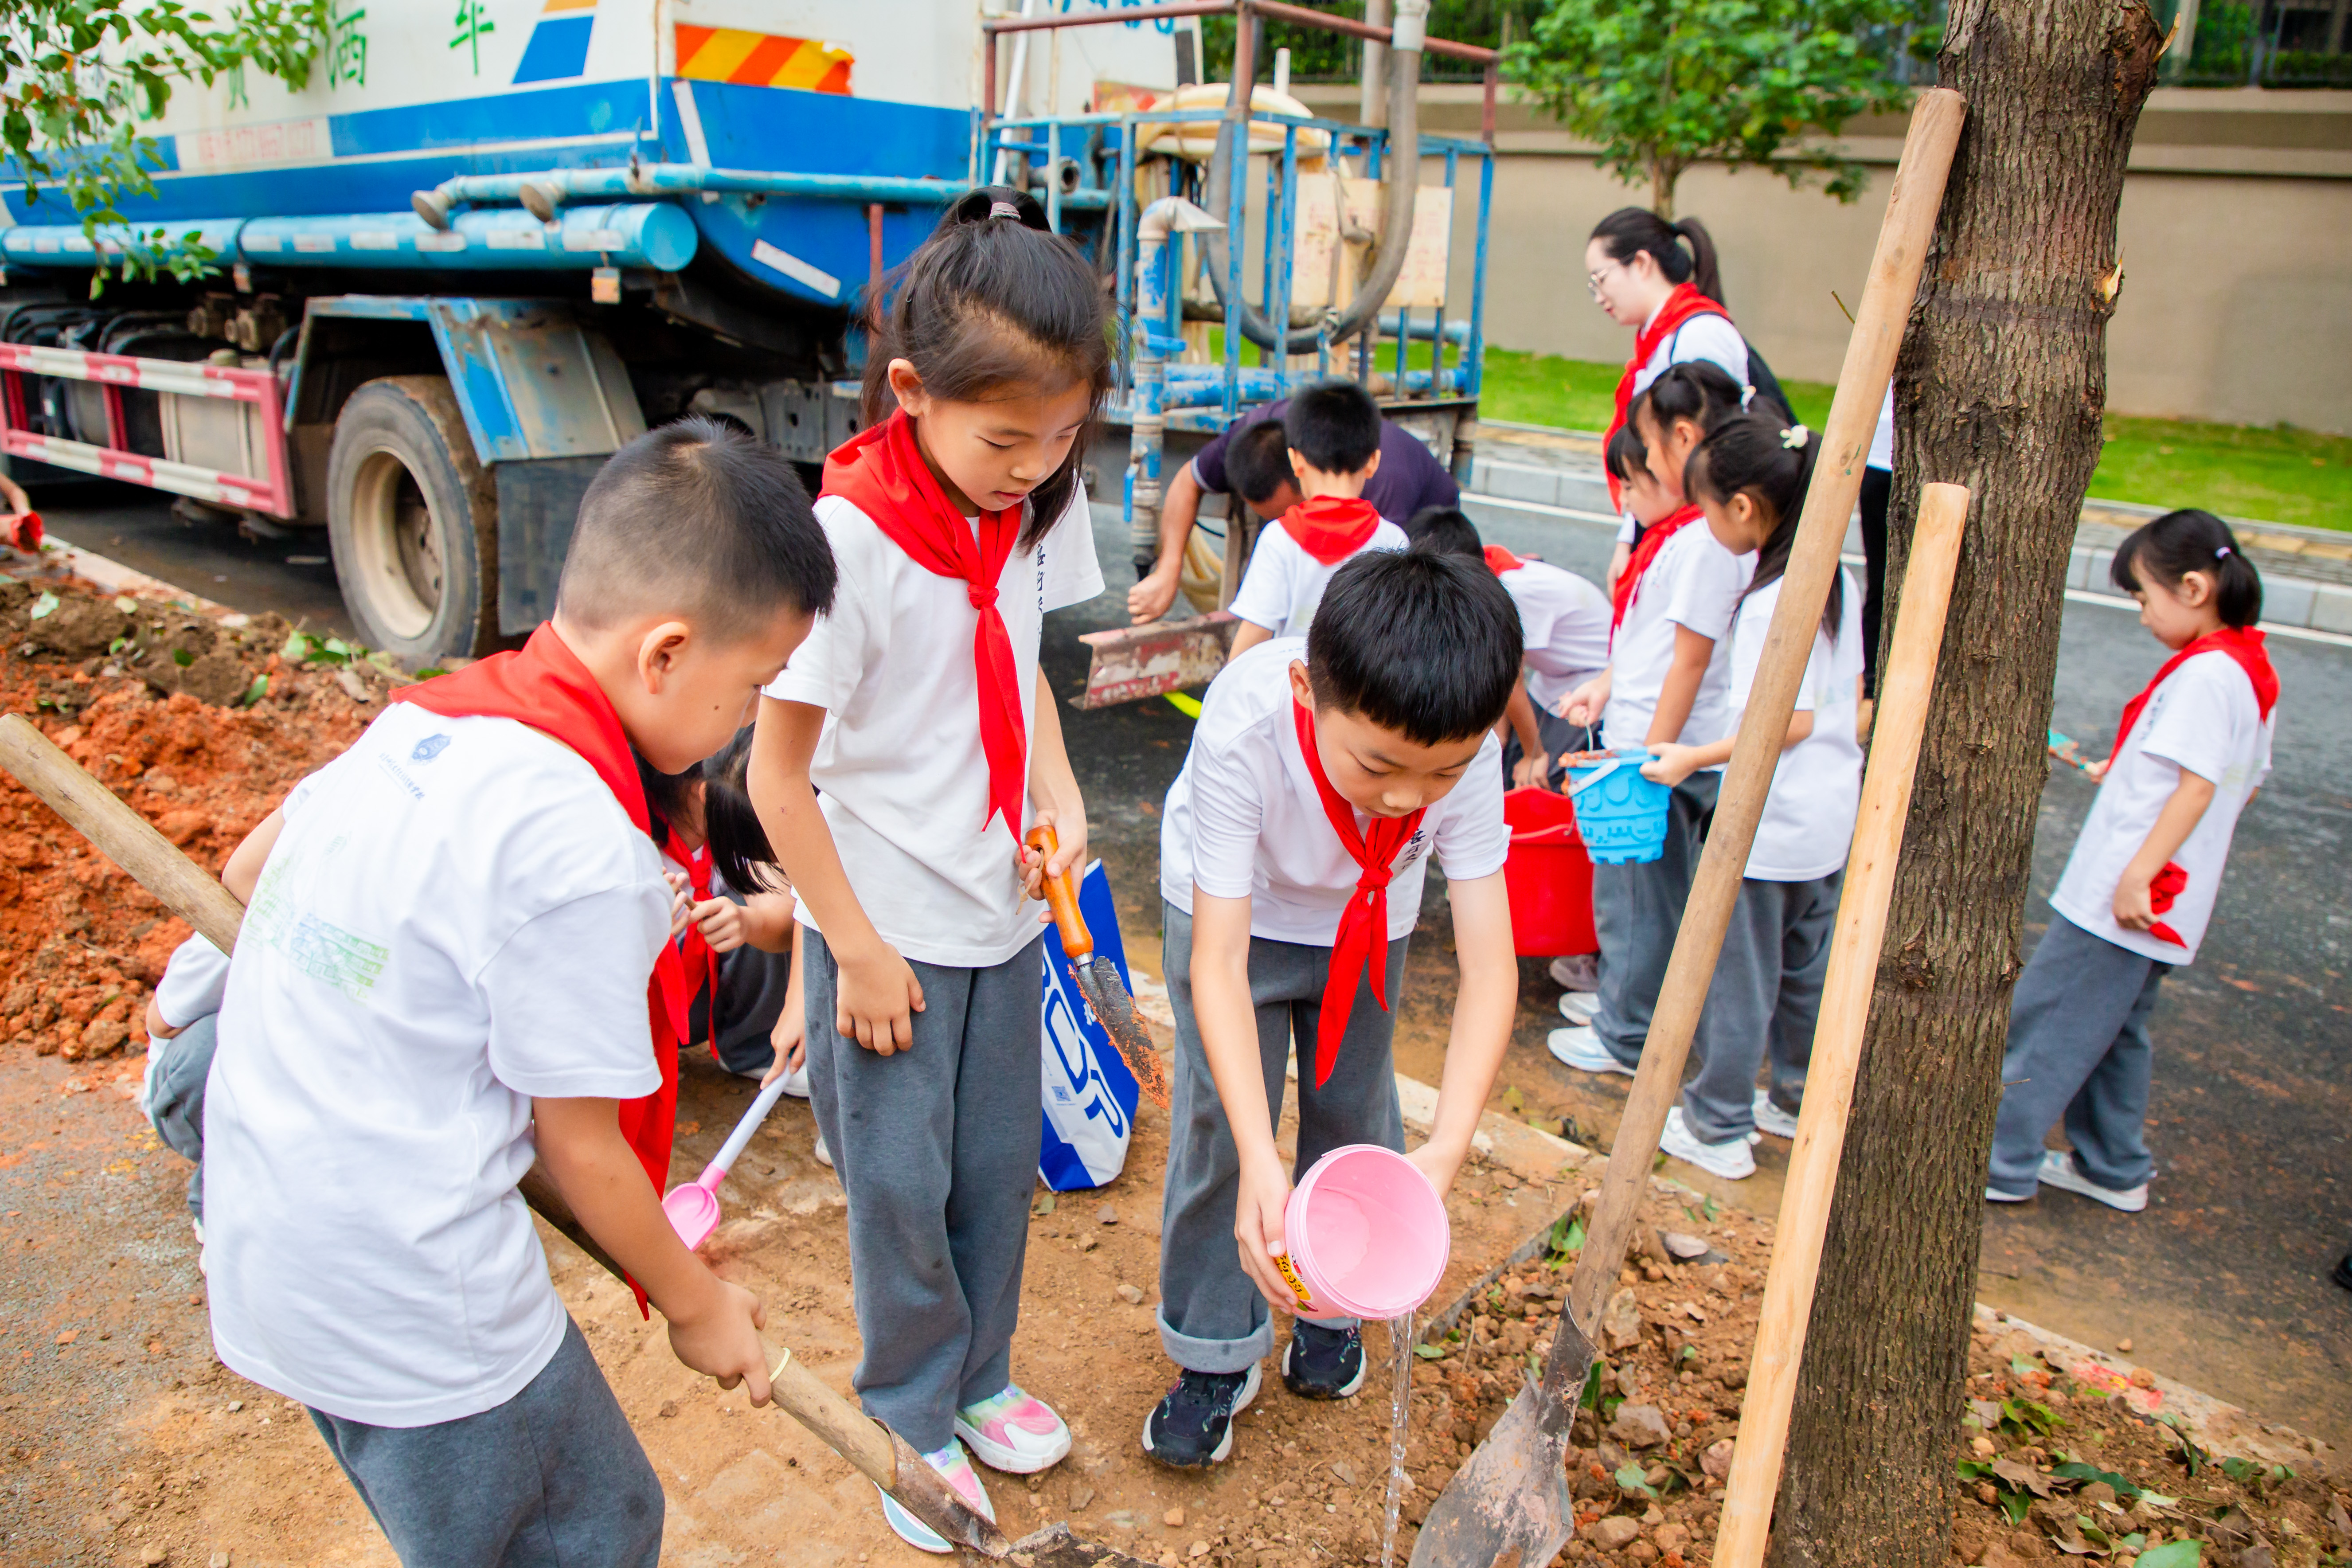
413,520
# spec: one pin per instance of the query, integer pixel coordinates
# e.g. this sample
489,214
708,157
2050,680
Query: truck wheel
413,520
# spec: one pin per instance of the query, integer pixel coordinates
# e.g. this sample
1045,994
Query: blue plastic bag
1089,1094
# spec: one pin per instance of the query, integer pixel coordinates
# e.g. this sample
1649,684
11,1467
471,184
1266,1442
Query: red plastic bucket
1549,874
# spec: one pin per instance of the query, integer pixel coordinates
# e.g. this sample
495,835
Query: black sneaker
1323,1364
1193,1429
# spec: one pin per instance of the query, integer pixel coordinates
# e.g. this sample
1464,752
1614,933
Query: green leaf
183,658
296,649
1428,1352
1514,1101
1634,1479
118,645
1973,1470
1591,1398
1043,1204
2015,1505
2023,1417
44,607
255,692
2075,1470
125,603
2244,1471
430,671
2174,1554
1566,1237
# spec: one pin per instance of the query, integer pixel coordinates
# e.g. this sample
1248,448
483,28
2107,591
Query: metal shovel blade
1509,1506
1099,981
1055,1547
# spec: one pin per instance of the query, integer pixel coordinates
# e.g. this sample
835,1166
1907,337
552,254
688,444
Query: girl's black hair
995,300
740,851
1627,454
1757,455
1629,231
2180,542
1698,390
1445,531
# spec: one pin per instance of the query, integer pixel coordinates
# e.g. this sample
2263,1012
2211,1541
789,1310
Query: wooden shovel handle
1062,898
119,833
1885,306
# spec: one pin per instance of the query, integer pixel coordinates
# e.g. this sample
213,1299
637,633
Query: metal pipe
1234,135
1154,284
556,187
1402,171
655,235
1304,18
1298,14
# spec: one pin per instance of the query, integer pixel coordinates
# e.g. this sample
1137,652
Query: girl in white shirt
1750,476
958,520
2133,903
1668,680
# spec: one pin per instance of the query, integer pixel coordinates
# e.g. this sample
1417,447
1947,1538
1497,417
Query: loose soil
122,1441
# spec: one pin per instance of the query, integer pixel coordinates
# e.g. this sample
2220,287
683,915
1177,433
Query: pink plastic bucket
1367,1235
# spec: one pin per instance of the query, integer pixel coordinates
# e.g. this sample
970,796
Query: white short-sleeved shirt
191,983
1245,819
1710,337
1808,822
2204,718
1283,584
902,778
1565,620
457,918
1881,439
1691,582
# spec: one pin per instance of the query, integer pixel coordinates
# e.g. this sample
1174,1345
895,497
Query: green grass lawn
2276,475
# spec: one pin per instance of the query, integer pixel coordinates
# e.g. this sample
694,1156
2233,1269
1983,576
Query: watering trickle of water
1400,1409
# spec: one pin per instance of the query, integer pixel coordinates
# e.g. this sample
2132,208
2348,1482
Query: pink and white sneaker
955,1467
1014,1431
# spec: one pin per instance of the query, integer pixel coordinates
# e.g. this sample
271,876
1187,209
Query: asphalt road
2222,1283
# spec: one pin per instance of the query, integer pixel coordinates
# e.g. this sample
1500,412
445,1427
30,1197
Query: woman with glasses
1659,279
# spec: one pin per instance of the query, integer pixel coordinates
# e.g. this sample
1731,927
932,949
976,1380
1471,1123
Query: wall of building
2236,235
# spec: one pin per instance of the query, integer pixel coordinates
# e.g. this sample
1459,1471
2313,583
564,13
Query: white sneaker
1577,972
952,1463
1770,1118
1995,1195
797,1082
1580,1049
1015,1432
1578,1006
1732,1161
823,1154
2060,1171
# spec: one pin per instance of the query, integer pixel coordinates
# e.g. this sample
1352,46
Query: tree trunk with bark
2000,387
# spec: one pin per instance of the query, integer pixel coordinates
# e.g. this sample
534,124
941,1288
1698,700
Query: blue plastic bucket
1619,815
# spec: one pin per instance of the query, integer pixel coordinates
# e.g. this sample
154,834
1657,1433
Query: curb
2292,600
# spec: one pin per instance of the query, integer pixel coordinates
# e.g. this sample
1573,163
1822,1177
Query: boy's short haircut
1335,425
1257,461
1445,531
1427,644
698,521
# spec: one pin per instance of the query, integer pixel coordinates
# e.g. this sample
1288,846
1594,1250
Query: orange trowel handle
1062,898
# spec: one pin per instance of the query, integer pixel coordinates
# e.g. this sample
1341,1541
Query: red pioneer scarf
1681,305
546,687
1331,527
1499,559
695,954
2240,643
881,471
2245,645
1629,582
1363,938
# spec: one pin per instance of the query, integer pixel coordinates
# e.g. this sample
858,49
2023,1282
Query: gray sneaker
1771,1119
2059,1170
1577,972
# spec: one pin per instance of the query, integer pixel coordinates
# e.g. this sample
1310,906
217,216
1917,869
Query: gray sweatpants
551,1478
174,1098
937,1149
1762,1005
2078,1048
1636,910
1211,1315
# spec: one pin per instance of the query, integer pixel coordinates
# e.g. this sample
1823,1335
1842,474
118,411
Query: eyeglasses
1592,280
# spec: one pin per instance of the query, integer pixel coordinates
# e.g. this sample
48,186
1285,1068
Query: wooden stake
1902,718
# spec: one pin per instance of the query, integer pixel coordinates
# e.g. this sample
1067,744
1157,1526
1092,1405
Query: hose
1400,179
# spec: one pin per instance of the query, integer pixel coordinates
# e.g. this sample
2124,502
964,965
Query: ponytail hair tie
1747,396
2222,554
1795,438
997,209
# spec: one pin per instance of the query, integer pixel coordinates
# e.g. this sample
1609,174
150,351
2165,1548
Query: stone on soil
1611,1533
1640,1426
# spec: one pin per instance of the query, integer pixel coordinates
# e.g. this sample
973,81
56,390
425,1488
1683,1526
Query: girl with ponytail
2189,752
916,706
1750,476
